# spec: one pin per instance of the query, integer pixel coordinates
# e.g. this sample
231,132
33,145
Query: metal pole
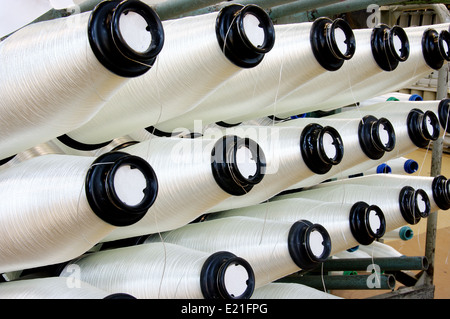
334,9
298,6
385,263
436,164
343,282
265,4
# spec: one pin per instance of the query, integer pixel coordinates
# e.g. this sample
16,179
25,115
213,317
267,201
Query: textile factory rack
132,191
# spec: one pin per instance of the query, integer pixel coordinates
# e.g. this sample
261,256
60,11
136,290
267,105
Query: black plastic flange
212,276
119,295
107,42
313,151
409,205
233,39
324,45
419,125
370,138
7,159
441,192
444,114
435,48
70,142
225,169
299,244
360,227
384,50
101,193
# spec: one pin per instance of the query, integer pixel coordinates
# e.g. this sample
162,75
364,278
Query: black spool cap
70,142
108,44
313,151
299,244
383,46
212,276
418,122
369,136
441,192
360,223
324,45
433,48
408,205
233,39
119,295
444,114
6,160
101,193
225,168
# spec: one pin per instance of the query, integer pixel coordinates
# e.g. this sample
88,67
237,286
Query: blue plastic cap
384,169
415,97
411,166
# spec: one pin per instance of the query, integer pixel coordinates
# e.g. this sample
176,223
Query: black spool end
385,46
414,204
109,45
325,46
441,192
153,130
226,168
315,144
102,193
70,142
423,127
444,114
306,254
118,296
367,223
435,48
7,159
376,136
236,42
225,124
217,267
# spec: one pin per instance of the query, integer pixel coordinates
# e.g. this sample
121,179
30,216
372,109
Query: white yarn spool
413,129
338,218
54,288
187,186
407,72
291,63
57,207
437,188
166,271
292,154
352,138
280,290
401,165
56,74
273,249
192,64
404,233
400,206
355,253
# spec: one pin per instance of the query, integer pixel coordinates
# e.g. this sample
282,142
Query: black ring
441,192
444,114
417,127
100,190
432,49
420,192
369,136
383,48
360,223
407,204
225,169
70,142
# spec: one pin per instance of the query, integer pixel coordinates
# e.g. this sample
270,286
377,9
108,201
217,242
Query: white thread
49,288
386,197
284,163
186,185
51,82
334,216
46,218
150,271
393,180
378,250
278,290
252,89
268,255
190,66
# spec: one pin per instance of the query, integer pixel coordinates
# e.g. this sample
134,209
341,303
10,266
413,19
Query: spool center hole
374,221
129,185
236,278
316,242
253,30
341,40
135,31
245,162
421,204
398,45
384,135
329,146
